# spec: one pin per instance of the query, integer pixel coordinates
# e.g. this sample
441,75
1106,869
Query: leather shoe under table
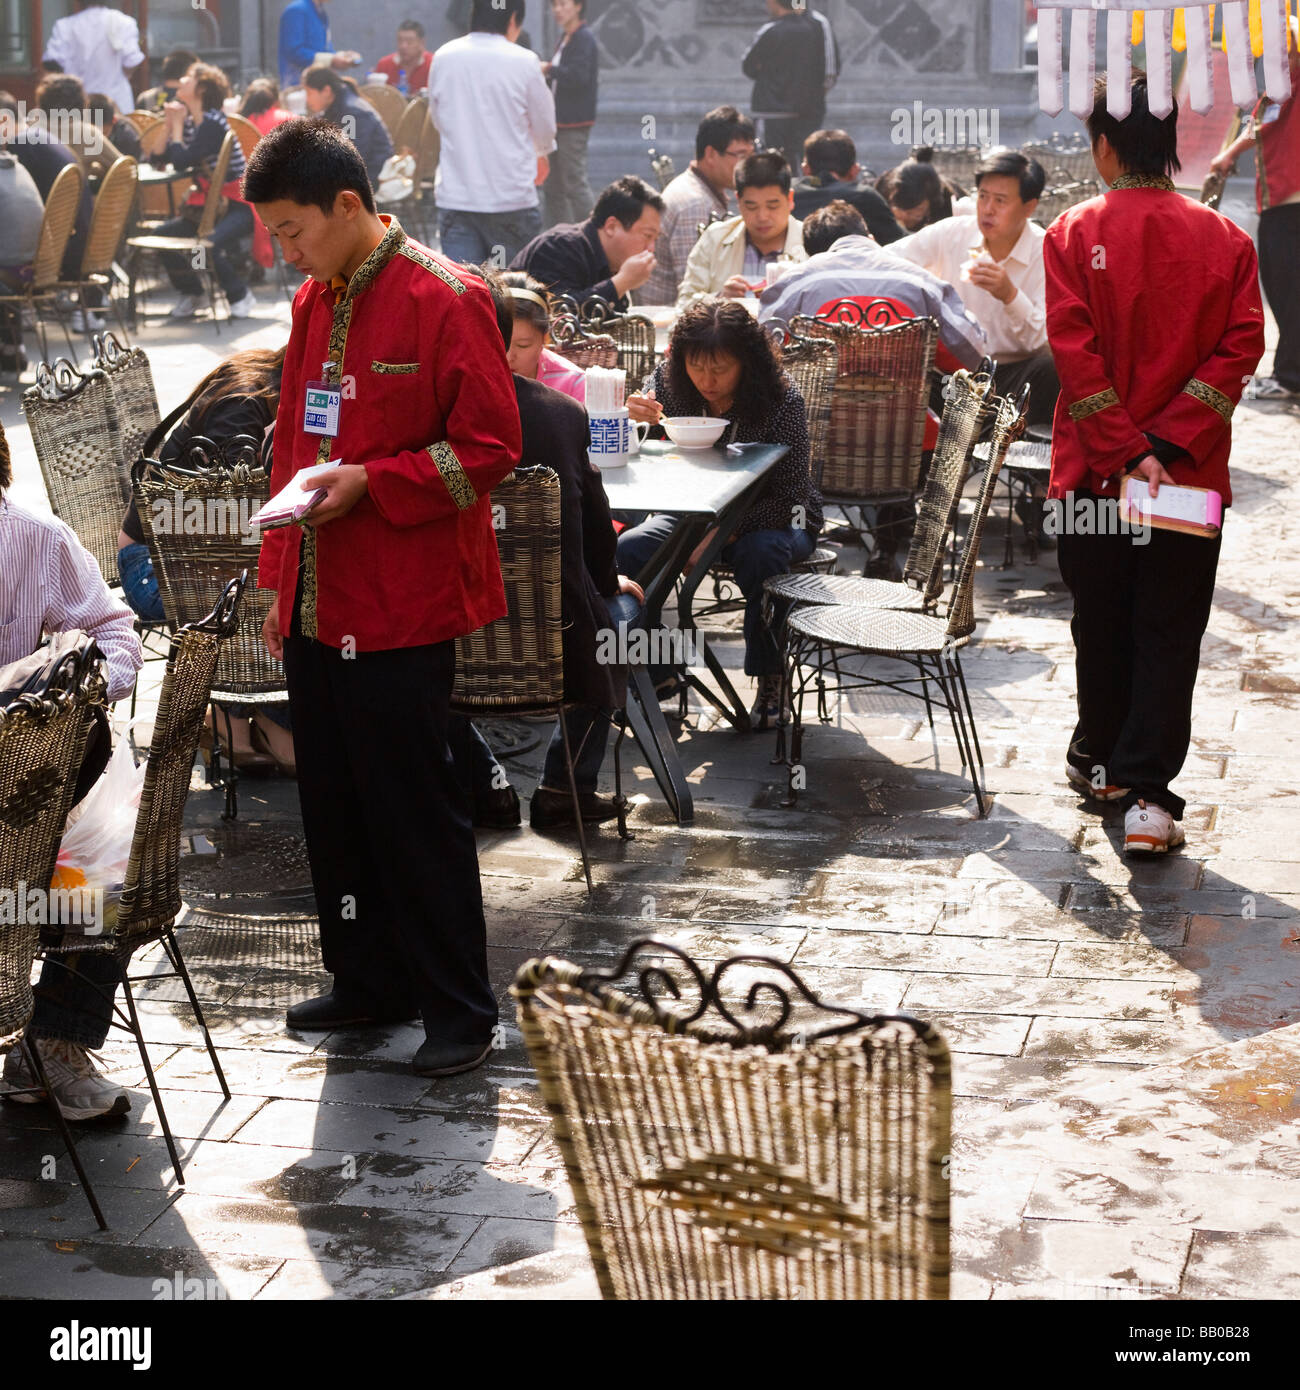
437,1058
335,1011
549,809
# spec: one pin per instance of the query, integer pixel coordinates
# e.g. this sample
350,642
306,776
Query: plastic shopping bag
96,846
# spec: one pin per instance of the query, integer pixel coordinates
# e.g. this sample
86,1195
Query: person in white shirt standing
101,46
496,117
994,260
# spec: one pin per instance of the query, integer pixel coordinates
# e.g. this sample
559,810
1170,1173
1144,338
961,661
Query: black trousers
1044,385
392,851
1139,614
1279,243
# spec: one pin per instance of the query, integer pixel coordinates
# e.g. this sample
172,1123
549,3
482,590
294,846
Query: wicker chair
633,334
193,567
39,294
662,167
957,163
730,1136
200,241
42,739
246,133
1066,160
75,429
515,665
919,590
109,221
878,407
151,894
819,637
572,341
134,396
1054,200
389,103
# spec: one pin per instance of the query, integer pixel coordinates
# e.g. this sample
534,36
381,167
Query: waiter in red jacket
1155,323
394,367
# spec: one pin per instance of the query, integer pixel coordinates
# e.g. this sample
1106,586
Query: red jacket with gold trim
429,409
1155,323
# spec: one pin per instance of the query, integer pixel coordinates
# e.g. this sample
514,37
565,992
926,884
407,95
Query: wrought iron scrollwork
777,998
877,313
61,381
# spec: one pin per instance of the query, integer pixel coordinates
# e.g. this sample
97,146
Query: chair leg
620,801
138,1031
961,676
577,805
177,958
33,1055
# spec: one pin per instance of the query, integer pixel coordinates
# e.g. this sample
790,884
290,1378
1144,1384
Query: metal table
703,488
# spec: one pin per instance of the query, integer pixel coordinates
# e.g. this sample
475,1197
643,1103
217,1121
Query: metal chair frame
818,637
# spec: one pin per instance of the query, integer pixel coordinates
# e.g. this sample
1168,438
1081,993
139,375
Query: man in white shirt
101,46
496,117
994,260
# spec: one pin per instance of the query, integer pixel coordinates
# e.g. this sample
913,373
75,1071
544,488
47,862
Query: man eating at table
607,256
731,258
396,373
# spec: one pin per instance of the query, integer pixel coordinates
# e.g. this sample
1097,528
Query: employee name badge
320,414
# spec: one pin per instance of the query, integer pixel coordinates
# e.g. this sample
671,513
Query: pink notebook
292,503
1197,511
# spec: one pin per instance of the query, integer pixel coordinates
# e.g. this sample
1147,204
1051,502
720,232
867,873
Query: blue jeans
475,238
139,583
70,1006
753,557
236,224
588,726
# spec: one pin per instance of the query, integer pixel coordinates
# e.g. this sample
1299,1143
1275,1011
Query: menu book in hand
293,502
1196,511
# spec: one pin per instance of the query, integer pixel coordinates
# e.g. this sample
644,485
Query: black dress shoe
497,809
334,1011
549,809
437,1058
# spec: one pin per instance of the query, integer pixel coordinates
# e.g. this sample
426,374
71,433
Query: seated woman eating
720,362
238,398
530,354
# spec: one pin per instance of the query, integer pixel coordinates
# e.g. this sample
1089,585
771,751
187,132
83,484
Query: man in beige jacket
731,258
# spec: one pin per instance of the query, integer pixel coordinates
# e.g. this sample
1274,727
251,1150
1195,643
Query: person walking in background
337,99
572,74
787,64
496,117
1153,343
1274,133
704,192
196,128
305,40
101,46
397,562
407,68
609,255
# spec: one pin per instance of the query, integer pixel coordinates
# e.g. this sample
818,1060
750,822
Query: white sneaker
81,1091
1150,830
1082,783
243,308
1269,388
186,306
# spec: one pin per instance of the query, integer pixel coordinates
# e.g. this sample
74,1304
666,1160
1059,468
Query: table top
699,482
148,174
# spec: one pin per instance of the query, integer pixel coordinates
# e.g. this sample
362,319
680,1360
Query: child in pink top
529,356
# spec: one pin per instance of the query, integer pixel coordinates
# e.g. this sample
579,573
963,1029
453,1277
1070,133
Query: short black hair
829,152
719,128
824,227
59,92
412,26
1143,143
626,198
494,16
309,162
763,169
1013,164
537,315
501,301
177,63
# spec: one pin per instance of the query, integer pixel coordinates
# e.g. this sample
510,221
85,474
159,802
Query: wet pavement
1126,1037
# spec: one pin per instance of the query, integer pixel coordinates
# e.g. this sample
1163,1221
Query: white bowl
694,431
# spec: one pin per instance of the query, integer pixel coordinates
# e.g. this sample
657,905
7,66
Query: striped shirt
49,582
